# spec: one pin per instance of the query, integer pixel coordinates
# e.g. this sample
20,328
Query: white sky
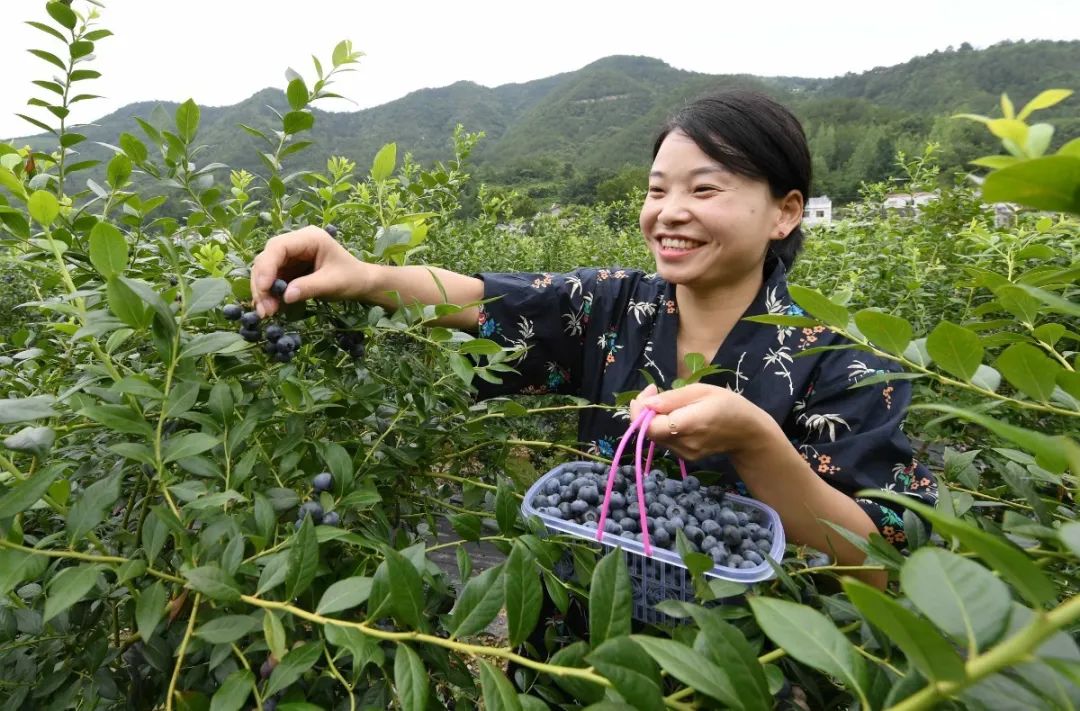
220,52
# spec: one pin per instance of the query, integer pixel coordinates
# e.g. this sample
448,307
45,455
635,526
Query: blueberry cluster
321,482
278,344
733,538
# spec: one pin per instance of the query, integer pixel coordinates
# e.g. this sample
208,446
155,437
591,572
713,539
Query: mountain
565,134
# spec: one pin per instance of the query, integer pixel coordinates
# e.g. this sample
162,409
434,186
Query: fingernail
263,281
292,294
653,402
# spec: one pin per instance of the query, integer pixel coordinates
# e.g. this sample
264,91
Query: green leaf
691,668
499,694
385,160
820,307
523,593
479,602
303,560
119,418
364,649
127,305
1069,535
468,526
891,334
212,581
631,670
43,207
297,121
150,608
292,666
1046,183
216,342
297,94
955,349
726,647
1029,370
187,120
1045,99
407,600
227,628
961,597
610,599
506,509
152,299
1018,302
233,692
810,637
274,634
1007,560
31,440
345,594
410,679
108,250
68,587
480,346
920,642
63,14
206,294
25,409
26,493
89,510
188,445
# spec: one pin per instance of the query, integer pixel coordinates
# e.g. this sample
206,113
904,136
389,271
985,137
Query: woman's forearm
776,474
416,284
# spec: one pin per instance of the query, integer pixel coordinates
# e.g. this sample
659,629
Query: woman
729,178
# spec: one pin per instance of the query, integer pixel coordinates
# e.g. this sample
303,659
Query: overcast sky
222,51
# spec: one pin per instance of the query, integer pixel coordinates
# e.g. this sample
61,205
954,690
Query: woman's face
706,226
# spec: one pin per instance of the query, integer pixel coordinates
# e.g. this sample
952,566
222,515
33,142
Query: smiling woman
729,178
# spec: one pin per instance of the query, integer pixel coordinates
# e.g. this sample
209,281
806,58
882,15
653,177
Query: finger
280,252
680,397
649,391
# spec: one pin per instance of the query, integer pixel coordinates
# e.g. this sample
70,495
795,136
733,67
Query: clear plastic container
663,575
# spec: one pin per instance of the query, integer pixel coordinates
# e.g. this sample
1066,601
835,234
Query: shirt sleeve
853,438
547,315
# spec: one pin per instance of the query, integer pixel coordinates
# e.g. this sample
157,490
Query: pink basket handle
641,424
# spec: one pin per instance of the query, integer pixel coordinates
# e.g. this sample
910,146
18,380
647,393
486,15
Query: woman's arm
317,266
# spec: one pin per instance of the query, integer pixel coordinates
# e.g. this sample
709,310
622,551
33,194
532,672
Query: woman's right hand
315,265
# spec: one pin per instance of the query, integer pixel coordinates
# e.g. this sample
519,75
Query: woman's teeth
670,243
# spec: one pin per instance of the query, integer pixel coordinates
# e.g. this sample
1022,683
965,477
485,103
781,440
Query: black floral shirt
592,332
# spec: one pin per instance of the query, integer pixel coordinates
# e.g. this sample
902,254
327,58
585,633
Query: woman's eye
705,189
655,190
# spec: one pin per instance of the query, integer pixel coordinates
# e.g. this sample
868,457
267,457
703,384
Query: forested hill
587,133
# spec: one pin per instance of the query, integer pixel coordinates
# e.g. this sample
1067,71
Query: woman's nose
672,210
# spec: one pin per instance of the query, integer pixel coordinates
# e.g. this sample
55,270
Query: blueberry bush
199,510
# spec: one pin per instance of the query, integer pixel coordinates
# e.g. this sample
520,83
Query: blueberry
618,501
274,332
578,507
711,527
278,287
589,524
691,483
742,517
249,319
295,338
676,511
695,534
331,518
728,517
553,512
269,348
661,538
618,514
566,477
708,543
657,509
331,230
665,500
629,525
251,335
232,312
754,557
323,481
589,495
267,667
314,508
751,529
633,511
719,555
285,344
282,357
591,516
763,546
734,560
673,487
612,527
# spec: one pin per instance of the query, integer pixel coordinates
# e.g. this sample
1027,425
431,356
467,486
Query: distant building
818,211
908,204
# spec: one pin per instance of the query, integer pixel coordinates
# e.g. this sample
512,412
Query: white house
909,203
818,211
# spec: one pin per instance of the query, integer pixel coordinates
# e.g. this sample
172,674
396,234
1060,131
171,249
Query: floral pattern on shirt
595,333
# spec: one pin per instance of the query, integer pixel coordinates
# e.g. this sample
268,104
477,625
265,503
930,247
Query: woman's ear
790,215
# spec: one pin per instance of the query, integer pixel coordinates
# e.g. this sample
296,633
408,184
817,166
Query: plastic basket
663,575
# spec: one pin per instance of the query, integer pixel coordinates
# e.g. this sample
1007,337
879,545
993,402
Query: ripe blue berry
274,332
331,519
249,319
323,481
232,312
278,287
251,335
312,508
331,230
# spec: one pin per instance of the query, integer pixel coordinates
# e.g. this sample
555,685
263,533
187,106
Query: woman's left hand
698,420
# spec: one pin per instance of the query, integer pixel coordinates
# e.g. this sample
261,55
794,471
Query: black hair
750,134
